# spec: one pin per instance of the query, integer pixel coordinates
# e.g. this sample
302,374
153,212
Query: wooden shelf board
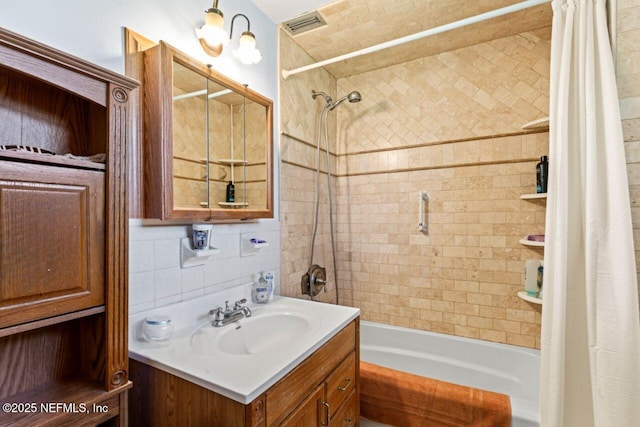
67,392
50,321
523,295
51,160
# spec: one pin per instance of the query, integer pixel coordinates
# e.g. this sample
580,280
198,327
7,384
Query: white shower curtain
590,367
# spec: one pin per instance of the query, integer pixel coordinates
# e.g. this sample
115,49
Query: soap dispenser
260,291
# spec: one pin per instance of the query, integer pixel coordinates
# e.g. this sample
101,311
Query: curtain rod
432,31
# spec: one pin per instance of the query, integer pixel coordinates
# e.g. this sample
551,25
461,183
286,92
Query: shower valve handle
321,281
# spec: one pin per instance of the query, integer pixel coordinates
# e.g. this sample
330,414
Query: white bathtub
502,368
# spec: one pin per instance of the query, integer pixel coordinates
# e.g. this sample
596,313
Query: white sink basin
243,359
263,335
267,332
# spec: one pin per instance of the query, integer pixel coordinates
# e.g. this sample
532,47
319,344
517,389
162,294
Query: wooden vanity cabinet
309,412
322,390
63,237
333,367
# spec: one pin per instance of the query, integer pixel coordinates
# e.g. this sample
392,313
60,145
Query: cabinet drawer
341,382
52,241
347,415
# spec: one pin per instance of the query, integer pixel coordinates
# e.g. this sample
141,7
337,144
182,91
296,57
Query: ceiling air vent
304,23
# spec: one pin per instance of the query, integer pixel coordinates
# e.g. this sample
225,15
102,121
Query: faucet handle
216,314
239,303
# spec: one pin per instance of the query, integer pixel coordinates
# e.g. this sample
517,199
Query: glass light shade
213,38
214,17
246,51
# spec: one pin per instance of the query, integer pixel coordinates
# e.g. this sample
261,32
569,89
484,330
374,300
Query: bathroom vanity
292,362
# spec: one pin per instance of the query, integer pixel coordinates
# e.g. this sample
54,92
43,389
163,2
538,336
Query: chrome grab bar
423,197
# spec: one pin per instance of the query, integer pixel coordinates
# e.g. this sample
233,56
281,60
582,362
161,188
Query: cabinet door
51,241
309,412
190,174
347,415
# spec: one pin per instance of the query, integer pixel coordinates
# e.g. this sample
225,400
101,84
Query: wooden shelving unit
63,309
86,403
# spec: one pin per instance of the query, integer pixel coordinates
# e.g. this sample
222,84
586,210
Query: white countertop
192,353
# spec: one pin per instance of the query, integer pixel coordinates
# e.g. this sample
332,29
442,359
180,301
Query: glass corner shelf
233,205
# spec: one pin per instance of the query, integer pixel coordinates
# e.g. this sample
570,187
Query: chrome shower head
352,97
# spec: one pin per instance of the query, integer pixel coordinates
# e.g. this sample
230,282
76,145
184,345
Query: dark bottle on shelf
231,192
542,173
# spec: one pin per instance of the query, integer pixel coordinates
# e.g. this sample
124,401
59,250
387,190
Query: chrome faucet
223,316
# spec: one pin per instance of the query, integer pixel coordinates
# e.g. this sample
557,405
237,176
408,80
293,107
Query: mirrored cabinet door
208,142
226,150
189,134
255,180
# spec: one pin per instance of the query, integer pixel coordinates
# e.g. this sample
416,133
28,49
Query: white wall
94,30
156,278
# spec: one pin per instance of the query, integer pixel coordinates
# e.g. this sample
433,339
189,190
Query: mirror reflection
189,137
219,145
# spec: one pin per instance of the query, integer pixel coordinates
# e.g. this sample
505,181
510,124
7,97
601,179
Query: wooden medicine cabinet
202,131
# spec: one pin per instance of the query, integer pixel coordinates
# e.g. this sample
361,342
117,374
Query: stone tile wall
628,79
448,124
298,153
451,125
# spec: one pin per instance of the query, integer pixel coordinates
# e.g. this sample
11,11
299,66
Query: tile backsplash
156,278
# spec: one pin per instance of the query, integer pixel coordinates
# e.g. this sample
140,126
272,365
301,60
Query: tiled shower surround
449,124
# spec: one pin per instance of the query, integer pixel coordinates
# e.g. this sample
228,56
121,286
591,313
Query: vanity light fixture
246,51
213,38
